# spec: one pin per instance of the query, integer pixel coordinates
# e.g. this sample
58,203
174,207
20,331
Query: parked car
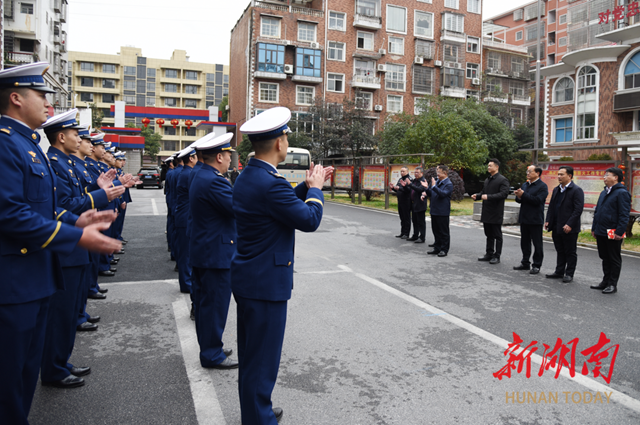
150,176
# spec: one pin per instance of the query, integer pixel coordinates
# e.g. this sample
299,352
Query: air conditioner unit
450,64
288,69
418,60
315,45
437,63
286,42
382,52
377,108
458,65
475,81
382,67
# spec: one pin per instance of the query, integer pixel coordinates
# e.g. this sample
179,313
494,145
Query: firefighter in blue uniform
119,158
212,245
33,231
268,211
167,180
177,169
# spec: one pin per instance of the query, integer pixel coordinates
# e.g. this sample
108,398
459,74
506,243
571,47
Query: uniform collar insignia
33,154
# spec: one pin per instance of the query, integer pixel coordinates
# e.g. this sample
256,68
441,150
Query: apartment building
162,86
35,31
381,54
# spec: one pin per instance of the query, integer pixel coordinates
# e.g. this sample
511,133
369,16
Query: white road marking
589,383
142,282
205,399
323,272
154,207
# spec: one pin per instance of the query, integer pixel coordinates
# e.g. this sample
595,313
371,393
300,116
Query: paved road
377,333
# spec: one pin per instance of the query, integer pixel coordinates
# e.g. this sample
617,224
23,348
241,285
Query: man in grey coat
493,194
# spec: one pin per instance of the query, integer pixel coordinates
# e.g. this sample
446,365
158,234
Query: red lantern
145,122
174,122
159,121
188,123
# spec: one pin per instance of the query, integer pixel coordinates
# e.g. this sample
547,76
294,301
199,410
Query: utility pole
537,111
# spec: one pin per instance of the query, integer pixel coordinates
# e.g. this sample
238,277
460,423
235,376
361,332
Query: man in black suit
563,219
531,197
404,202
419,206
493,194
440,193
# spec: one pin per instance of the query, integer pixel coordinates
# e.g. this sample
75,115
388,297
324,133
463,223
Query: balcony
520,99
18,58
453,36
453,92
503,46
307,79
270,75
366,21
365,81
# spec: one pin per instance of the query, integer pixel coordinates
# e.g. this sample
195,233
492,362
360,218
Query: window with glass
151,86
563,19
564,90
395,77
307,32
190,103
129,85
493,60
129,100
86,66
86,82
367,7
518,35
86,97
364,68
108,84
151,72
453,78
516,88
422,80
171,73
211,77
269,27
26,8
108,98
191,75
364,40
453,22
364,100
335,51
423,24
169,131
190,131
304,95
189,89
632,72
337,21
517,66
473,44
453,4
396,19
396,45
210,91
308,62
151,101
472,70
424,48
452,52
268,92
494,85
563,130
335,82
473,6
271,58
129,70
108,68
170,101
587,103
394,104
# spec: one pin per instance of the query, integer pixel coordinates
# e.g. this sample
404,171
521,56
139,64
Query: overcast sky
201,27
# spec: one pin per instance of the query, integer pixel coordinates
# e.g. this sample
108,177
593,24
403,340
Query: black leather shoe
124,241
168,249
553,275
599,286
534,270
404,237
433,252
87,327
113,269
103,291
494,260
431,245
419,241
226,364
485,258
93,319
567,279
227,351
610,290
175,269
120,252
114,262
70,381
106,273
97,296
278,412
399,236
192,315
521,267
442,254
412,238
80,371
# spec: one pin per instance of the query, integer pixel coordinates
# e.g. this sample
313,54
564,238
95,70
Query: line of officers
61,218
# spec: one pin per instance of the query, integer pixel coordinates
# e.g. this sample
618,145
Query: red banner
343,176
635,195
588,176
373,177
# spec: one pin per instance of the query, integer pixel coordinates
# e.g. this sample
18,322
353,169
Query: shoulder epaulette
55,158
277,175
5,130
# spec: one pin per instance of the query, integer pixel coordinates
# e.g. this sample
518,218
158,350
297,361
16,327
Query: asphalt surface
378,333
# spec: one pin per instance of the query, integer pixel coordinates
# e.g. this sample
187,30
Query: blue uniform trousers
261,327
172,237
211,292
184,270
91,285
61,325
119,224
169,231
22,327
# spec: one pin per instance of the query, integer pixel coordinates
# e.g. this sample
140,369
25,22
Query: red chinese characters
618,13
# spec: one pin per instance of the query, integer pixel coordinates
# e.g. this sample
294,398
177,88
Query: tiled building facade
147,82
381,54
